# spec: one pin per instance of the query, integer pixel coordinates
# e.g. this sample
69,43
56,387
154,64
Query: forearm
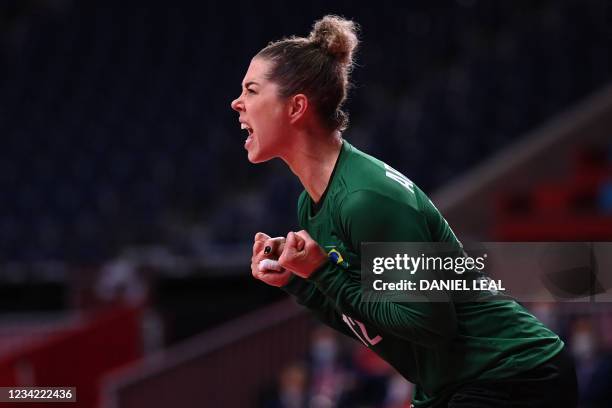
424,322
308,295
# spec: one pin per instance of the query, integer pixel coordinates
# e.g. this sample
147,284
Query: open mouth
249,130
246,127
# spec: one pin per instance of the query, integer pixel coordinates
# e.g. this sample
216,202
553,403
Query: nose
237,105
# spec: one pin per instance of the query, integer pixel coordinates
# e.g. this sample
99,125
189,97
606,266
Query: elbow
433,336
430,336
427,324
444,331
440,329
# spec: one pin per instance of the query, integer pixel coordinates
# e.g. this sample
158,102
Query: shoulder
370,205
369,216
366,181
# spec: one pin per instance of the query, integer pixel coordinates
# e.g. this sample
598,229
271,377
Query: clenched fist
301,254
268,273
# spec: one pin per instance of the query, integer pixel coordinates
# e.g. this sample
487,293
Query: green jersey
435,345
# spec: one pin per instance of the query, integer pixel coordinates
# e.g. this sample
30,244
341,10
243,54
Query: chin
253,160
257,157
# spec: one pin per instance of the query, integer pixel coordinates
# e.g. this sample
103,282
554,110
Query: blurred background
128,207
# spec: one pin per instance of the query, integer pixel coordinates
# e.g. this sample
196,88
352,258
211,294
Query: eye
250,91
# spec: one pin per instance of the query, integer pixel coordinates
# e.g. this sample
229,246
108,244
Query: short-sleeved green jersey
436,345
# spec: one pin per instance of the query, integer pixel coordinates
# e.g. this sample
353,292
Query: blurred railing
468,202
76,354
224,367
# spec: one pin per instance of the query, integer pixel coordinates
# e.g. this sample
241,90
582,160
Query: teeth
243,126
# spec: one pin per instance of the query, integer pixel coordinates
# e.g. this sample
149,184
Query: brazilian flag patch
336,257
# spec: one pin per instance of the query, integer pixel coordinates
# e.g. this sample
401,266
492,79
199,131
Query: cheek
278,117
273,121
278,128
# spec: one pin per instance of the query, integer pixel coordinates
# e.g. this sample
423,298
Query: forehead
257,71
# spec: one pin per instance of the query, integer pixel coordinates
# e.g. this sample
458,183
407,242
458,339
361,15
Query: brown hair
318,66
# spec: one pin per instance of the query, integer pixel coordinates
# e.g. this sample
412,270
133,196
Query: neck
313,159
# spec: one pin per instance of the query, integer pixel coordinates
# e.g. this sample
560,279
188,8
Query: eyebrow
250,83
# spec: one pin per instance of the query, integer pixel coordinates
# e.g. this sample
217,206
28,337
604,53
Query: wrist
316,265
318,271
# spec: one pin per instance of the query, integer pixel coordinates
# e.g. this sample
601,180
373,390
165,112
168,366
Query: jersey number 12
364,337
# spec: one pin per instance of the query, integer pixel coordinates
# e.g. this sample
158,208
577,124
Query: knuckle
260,236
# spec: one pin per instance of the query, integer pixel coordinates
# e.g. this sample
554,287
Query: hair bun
336,36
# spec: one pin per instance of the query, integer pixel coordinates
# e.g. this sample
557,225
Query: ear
298,105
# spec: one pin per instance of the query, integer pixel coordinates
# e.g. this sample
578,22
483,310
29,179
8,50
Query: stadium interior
128,205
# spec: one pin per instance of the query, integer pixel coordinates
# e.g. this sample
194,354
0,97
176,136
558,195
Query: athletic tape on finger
269,264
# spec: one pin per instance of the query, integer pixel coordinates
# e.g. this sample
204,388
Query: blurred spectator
605,197
372,376
593,364
329,377
399,392
291,391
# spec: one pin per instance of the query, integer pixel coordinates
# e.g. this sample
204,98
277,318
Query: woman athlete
458,354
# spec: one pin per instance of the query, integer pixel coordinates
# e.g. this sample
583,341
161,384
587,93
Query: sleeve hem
296,287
